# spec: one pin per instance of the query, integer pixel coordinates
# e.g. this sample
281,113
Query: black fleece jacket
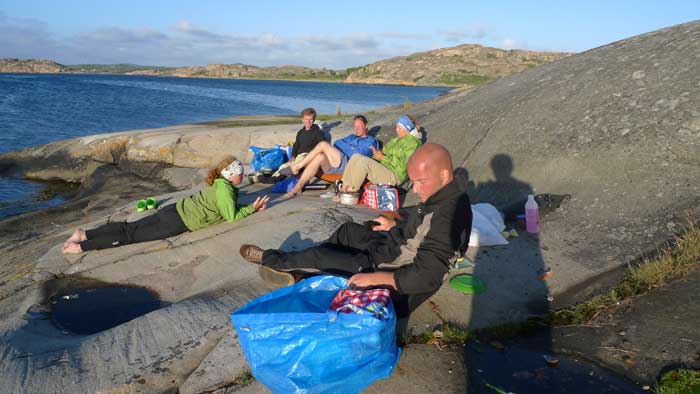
307,139
447,237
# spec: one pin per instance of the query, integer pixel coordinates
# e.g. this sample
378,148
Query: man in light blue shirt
332,159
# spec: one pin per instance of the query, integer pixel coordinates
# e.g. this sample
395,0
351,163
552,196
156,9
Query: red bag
381,197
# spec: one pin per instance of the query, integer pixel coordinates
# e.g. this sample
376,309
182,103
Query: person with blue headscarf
388,166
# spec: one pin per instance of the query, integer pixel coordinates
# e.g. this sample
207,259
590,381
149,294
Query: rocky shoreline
463,65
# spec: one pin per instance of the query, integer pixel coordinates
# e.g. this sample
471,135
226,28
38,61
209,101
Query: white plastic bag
487,224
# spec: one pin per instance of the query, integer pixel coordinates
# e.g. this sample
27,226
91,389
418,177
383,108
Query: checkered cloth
369,198
381,197
362,301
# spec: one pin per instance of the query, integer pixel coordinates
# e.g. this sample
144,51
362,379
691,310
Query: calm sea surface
40,108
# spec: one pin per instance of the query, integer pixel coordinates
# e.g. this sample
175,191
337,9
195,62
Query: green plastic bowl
467,284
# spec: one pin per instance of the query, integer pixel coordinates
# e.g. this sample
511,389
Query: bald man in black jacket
409,256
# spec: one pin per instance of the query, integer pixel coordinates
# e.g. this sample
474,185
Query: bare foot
293,193
78,236
336,198
295,169
71,247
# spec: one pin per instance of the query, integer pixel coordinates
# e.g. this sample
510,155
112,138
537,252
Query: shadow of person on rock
505,192
295,242
516,289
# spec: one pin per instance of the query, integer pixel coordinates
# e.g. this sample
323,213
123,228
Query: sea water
41,108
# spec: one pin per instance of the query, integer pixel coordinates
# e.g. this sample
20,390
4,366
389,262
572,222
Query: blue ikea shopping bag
269,159
294,344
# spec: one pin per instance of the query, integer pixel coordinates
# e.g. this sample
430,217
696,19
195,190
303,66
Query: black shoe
252,253
276,279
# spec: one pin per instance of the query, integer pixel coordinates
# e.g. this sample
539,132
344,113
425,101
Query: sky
331,34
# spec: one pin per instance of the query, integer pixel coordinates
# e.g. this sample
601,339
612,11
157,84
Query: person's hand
385,224
376,153
260,203
372,280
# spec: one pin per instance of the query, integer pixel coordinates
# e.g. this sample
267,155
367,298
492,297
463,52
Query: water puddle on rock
500,368
18,195
92,307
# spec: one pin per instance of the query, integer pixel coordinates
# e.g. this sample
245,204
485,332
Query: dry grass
673,262
447,335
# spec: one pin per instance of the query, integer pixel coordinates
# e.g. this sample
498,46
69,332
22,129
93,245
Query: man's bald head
430,169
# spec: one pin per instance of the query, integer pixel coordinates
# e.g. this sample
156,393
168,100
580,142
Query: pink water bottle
532,215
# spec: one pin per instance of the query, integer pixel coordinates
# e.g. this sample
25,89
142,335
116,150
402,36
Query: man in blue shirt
332,159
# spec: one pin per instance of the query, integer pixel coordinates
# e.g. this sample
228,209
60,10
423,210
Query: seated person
332,159
409,257
308,136
211,205
387,166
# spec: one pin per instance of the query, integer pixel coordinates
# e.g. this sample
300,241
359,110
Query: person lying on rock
408,256
387,166
213,204
332,159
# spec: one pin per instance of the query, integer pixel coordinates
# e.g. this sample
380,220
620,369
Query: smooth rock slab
421,369
222,366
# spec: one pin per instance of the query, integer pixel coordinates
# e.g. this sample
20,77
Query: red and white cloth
369,198
381,197
359,298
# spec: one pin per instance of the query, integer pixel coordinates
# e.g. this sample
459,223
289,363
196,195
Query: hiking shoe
252,253
276,279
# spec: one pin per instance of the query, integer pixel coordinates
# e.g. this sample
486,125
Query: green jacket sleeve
226,203
397,153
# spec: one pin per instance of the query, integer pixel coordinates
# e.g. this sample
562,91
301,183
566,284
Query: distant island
463,65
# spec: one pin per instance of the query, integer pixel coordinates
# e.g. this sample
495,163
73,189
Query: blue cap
405,121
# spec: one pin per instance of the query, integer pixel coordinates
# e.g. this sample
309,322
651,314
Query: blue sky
332,34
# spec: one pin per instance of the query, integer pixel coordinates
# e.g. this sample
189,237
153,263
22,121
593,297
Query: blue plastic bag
294,344
287,149
269,159
284,186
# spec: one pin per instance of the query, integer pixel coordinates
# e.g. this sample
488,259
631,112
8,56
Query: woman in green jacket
211,205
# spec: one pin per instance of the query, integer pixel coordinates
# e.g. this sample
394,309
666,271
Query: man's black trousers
351,249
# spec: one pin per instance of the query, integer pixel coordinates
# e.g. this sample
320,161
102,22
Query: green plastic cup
151,203
140,205
467,284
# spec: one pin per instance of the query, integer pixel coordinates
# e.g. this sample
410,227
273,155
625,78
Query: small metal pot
349,198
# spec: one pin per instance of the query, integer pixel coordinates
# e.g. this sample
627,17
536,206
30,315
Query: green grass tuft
448,335
671,263
680,381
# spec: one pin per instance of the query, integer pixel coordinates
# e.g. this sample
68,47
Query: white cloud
480,33
186,43
20,38
509,43
475,32
406,36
